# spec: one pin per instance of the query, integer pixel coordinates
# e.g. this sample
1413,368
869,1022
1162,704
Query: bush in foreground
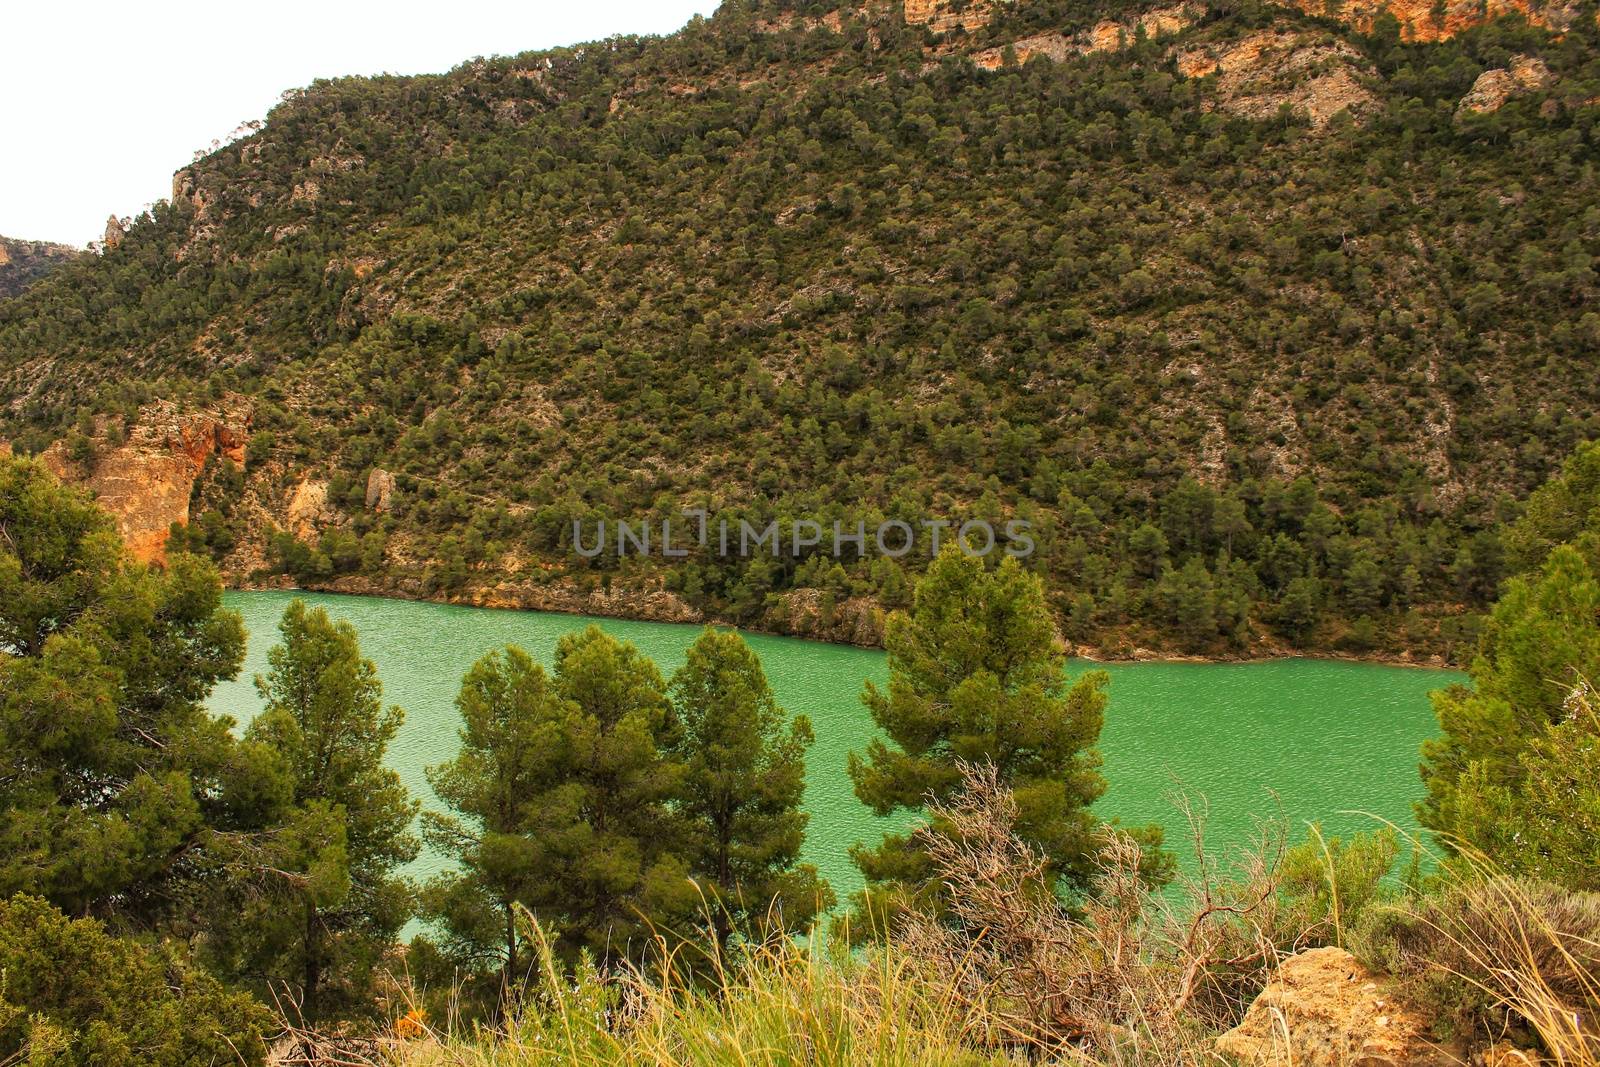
72,995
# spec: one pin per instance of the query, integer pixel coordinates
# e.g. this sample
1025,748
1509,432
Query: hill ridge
1256,321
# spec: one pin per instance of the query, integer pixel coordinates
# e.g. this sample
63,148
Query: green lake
1304,739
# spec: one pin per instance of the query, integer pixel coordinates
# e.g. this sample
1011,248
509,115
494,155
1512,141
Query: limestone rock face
649,602
308,509
939,16
1107,35
1427,20
114,232
145,482
1494,87
1260,73
1324,1009
807,613
380,490
1420,20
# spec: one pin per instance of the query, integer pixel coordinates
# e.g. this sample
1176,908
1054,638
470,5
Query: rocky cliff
1263,71
1417,20
1437,20
144,475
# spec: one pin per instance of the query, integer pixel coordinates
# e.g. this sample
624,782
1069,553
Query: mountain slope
1255,320
24,262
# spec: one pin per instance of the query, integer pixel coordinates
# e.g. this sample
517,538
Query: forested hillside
1265,321
24,262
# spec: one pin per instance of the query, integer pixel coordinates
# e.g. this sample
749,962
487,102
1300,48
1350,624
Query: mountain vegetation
24,262
1264,320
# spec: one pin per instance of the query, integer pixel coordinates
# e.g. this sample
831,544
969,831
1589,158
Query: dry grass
1130,979
1014,979
785,1004
1496,958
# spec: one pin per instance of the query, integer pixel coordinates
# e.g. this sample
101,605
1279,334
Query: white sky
103,101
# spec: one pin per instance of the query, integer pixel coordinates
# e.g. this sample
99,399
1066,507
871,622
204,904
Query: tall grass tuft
785,1003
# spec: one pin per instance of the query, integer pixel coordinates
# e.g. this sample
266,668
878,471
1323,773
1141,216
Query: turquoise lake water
1301,739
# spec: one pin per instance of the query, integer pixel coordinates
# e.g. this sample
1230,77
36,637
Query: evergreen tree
114,779
1546,823
1300,607
75,996
975,676
511,715
1493,777
1363,585
609,871
1558,512
744,778
1189,595
343,904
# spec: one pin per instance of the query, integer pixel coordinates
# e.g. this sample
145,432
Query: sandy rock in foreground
1325,1009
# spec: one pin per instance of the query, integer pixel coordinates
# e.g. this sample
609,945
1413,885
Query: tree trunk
510,974
720,924
313,970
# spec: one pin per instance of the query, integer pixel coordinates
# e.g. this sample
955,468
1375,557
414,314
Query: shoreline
497,600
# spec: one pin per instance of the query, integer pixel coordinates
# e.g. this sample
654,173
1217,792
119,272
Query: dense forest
1261,377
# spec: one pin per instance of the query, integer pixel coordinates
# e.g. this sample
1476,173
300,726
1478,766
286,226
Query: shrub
1494,955
71,994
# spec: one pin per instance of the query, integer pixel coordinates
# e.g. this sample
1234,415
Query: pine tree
77,996
349,831
609,872
975,677
1540,644
1559,512
744,778
114,778
1189,595
510,714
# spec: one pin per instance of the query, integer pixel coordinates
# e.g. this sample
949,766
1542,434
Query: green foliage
975,677
744,776
592,797
1548,824
71,995
339,904
1561,511
1332,886
563,794
1507,778
604,804
117,787
511,714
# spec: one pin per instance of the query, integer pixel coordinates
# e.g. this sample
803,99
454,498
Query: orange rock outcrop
145,483
938,16
1424,20
1324,1009
1420,20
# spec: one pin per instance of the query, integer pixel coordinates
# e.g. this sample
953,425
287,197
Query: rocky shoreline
803,615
